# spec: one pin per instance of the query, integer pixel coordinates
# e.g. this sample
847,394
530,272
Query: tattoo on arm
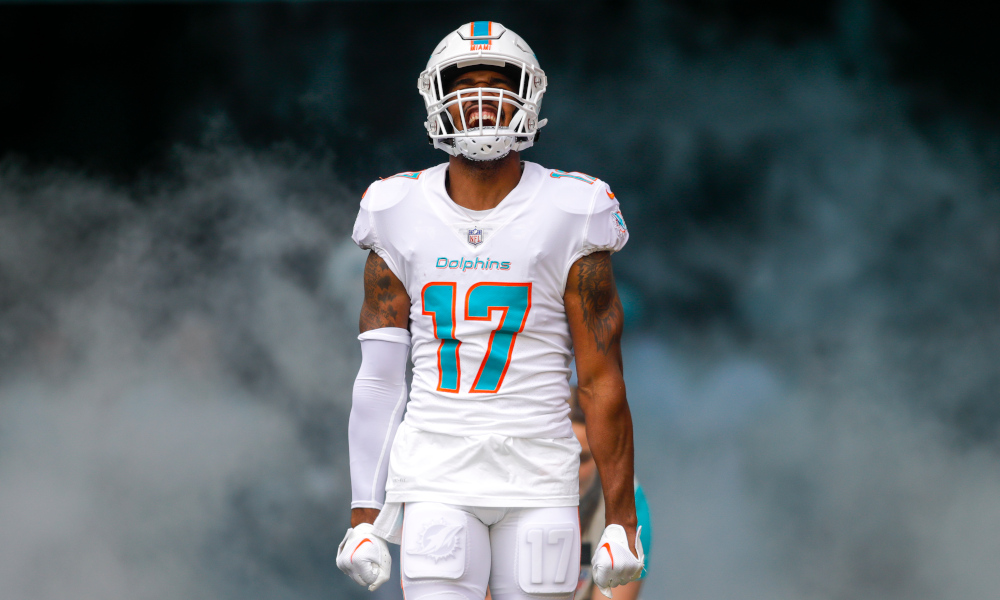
386,303
602,309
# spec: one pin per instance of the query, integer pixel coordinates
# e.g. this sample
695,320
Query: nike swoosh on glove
364,557
614,564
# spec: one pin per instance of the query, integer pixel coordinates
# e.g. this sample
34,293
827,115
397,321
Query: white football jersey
487,422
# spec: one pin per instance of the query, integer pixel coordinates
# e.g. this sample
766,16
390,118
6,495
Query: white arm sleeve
376,411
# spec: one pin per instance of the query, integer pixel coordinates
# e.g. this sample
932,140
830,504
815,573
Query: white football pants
452,552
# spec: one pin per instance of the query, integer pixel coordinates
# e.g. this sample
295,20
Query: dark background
111,87
811,286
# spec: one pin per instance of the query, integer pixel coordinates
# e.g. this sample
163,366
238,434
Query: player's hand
614,564
364,557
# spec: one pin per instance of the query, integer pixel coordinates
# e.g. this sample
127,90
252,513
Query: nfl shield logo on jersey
475,236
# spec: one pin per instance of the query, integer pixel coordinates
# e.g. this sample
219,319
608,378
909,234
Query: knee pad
548,557
435,544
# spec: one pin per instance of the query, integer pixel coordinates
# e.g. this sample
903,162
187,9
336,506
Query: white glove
364,557
614,564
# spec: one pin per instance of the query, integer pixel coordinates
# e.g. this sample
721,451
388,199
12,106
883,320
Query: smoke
811,289
177,360
813,372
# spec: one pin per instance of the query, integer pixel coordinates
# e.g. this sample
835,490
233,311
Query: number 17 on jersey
511,300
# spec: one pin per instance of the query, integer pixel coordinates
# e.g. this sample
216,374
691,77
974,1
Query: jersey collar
506,211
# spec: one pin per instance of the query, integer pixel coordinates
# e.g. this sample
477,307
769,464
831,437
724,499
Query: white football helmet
472,46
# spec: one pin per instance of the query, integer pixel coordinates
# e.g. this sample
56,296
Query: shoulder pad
573,192
606,229
388,191
605,197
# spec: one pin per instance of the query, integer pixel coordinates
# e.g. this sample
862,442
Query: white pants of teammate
452,552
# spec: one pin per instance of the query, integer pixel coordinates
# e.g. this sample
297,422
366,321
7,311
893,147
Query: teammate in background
498,272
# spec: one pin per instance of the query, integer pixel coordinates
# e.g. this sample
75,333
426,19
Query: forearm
596,320
377,409
609,431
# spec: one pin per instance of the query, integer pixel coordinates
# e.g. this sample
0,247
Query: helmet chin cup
484,147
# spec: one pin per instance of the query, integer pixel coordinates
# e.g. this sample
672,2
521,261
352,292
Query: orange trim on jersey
458,343
358,546
489,346
413,175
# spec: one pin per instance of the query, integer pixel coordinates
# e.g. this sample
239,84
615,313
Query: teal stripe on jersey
514,299
439,301
642,511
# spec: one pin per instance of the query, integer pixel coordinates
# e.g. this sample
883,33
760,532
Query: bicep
386,302
595,314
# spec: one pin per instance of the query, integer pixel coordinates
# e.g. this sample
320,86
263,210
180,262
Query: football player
491,274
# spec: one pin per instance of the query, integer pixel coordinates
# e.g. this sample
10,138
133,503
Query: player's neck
481,185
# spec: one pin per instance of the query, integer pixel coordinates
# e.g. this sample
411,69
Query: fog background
811,287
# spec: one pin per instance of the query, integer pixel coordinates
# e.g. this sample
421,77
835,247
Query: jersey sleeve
374,206
364,229
606,230
594,221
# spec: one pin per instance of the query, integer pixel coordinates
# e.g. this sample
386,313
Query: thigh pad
435,541
548,556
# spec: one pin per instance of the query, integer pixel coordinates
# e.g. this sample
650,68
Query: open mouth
486,118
